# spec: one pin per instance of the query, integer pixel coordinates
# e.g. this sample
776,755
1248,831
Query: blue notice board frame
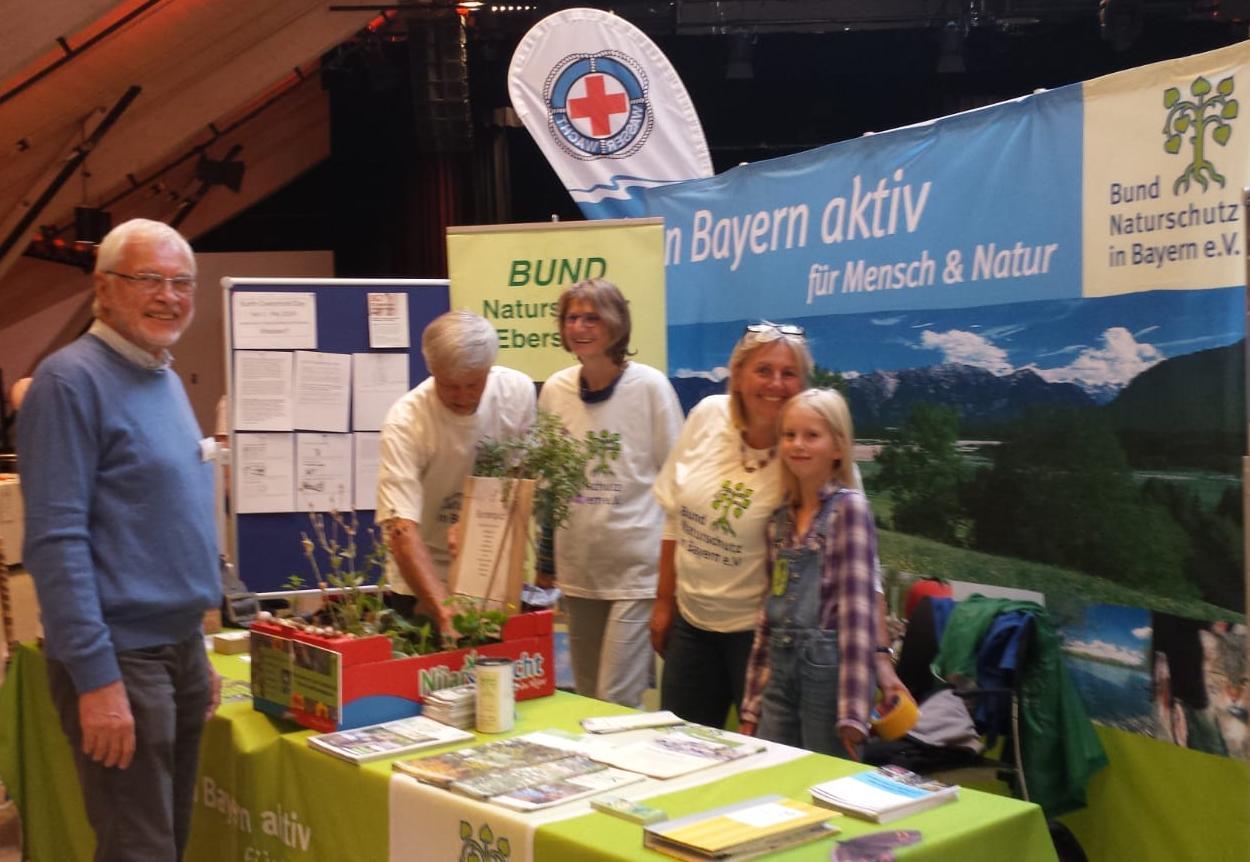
267,545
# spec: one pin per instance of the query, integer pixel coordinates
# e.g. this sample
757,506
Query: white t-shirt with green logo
610,547
716,511
426,451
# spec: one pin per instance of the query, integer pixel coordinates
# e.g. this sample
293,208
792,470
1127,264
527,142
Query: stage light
228,173
91,224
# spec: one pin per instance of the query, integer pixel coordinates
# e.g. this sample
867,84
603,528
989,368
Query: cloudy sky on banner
1095,343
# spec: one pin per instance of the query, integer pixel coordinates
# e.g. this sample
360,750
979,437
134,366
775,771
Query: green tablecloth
264,796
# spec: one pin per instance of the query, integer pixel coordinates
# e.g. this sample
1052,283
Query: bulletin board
267,543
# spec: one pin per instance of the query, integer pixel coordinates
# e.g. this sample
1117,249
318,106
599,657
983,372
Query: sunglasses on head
778,329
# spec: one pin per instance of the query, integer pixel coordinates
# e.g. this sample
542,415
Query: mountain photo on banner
1086,446
1177,679
607,109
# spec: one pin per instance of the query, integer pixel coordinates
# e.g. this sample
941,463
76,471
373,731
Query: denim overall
799,706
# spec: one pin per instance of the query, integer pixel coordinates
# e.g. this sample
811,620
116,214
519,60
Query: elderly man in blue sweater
121,543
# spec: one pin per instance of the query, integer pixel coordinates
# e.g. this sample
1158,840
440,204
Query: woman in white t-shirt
605,555
719,487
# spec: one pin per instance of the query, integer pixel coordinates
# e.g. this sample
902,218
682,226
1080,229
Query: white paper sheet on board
378,381
365,468
323,468
322,390
262,390
264,473
388,320
274,321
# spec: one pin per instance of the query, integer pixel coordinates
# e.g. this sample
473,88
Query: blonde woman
719,487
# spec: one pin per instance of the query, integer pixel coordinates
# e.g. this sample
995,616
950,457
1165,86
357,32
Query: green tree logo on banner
734,498
484,848
1209,110
606,446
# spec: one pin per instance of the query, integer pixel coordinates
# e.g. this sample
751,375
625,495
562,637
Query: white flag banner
607,109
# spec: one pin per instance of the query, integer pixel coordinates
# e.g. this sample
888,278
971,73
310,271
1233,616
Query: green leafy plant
352,566
355,565
548,454
475,624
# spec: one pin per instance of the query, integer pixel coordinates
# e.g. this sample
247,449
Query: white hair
109,252
459,342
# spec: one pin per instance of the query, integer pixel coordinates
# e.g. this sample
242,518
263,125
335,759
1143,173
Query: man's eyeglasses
776,329
151,282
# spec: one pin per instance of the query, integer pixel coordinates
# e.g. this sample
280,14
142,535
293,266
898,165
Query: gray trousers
143,813
610,646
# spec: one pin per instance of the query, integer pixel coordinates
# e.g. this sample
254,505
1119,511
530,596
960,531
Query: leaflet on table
499,782
883,794
520,751
388,739
566,789
740,831
676,751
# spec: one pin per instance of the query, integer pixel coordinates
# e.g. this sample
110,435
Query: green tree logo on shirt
730,499
480,849
1209,110
606,446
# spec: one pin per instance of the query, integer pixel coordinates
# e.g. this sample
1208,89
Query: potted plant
539,473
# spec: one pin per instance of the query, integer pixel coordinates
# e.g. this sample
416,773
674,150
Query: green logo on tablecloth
484,848
1210,109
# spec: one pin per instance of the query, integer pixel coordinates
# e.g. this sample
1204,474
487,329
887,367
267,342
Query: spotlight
91,224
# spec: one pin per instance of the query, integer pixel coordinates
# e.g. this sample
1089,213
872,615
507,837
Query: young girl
810,675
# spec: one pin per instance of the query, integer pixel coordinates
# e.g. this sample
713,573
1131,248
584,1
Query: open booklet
567,788
484,760
524,773
388,739
675,751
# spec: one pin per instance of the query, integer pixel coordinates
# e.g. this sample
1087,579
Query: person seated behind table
606,555
428,445
811,669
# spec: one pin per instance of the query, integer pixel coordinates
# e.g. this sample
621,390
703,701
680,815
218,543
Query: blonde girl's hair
830,406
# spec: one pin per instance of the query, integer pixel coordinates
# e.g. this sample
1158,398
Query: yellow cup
892,719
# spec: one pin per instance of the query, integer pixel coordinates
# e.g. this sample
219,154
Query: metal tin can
496,702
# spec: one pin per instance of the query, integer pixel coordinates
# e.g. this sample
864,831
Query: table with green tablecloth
263,796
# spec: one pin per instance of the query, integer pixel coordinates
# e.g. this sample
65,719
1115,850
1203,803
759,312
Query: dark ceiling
767,77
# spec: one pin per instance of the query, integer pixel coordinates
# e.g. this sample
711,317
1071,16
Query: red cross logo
598,106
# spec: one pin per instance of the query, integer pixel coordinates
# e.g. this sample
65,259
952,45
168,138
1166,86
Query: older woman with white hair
428,444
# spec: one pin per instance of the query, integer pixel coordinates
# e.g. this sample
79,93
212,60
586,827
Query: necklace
751,464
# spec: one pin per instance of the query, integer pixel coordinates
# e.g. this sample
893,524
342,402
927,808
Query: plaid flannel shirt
847,602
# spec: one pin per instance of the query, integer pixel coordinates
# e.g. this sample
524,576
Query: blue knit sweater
120,535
